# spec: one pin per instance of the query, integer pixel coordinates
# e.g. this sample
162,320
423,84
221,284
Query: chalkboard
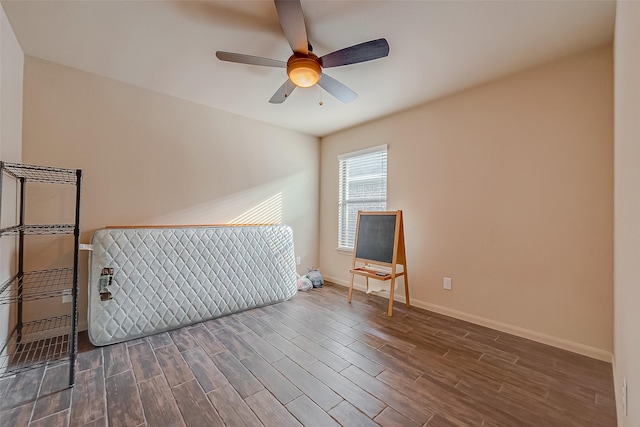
376,235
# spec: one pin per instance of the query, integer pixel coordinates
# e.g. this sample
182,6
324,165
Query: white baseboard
617,396
564,344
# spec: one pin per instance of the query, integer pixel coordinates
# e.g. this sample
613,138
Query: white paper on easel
376,286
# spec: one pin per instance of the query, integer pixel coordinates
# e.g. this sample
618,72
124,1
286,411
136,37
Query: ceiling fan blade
337,89
362,52
248,59
283,93
292,22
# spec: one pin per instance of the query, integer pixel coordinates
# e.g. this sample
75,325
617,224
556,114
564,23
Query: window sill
344,251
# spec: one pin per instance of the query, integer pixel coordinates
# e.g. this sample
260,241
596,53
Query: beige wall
153,159
11,67
507,189
627,210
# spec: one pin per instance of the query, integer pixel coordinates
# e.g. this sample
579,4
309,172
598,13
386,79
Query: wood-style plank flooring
318,361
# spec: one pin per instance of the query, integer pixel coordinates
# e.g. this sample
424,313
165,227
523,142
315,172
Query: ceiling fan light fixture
304,71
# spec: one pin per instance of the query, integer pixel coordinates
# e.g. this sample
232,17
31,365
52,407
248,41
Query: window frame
343,183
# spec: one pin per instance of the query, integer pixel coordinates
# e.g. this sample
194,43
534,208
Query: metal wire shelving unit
54,340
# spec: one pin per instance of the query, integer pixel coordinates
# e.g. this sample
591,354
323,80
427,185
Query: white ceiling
436,48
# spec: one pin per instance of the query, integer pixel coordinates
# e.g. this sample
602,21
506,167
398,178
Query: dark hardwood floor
318,361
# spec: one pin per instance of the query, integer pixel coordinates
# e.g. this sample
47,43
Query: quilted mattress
147,280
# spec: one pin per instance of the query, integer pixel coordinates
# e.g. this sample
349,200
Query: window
362,185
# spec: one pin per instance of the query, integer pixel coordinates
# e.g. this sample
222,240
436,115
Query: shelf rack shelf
40,230
50,346
37,285
54,340
44,174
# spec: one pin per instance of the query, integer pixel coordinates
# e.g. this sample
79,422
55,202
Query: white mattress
165,278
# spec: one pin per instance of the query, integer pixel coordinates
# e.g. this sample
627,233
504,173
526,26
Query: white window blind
362,184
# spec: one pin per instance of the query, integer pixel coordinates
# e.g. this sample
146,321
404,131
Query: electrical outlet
446,283
624,397
298,260
67,296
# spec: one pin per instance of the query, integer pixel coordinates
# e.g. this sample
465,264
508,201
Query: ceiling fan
304,68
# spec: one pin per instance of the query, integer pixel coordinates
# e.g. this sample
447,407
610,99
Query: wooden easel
380,241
